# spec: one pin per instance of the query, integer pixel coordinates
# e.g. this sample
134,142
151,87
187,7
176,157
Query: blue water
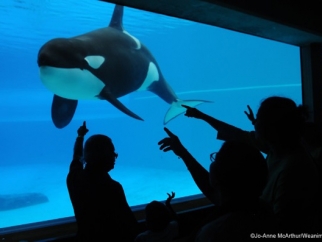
229,69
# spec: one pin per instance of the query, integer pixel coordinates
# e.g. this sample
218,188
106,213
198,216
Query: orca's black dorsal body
106,63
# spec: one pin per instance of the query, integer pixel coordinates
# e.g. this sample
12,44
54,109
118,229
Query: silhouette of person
312,142
312,137
101,210
161,222
238,174
292,187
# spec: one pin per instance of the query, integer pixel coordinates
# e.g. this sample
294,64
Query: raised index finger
84,124
171,135
185,106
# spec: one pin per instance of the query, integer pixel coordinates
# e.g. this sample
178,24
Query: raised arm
168,204
78,147
225,131
199,174
250,115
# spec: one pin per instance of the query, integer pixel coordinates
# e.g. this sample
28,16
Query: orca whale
104,64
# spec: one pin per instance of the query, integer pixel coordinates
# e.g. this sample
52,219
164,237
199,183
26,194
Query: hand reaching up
82,130
170,197
171,143
250,115
192,112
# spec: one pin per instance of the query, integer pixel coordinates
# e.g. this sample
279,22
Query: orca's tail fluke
176,109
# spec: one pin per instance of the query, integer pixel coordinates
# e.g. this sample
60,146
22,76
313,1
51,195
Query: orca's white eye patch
95,61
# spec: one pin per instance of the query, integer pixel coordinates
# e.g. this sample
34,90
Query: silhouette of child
161,222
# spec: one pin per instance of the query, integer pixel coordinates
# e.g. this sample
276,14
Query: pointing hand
82,130
192,112
171,143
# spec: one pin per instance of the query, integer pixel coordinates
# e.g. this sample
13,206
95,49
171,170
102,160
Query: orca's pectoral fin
62,111
176,109
106,95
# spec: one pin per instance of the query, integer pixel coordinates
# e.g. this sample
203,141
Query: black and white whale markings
106,63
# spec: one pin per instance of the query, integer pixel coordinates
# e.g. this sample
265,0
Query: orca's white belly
73,83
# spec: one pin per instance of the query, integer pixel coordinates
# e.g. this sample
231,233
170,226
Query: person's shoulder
142,237
116,185
173,228
76,172
298,168
75,166
233,226
173,224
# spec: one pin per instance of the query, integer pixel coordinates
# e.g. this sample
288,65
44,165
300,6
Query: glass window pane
199,62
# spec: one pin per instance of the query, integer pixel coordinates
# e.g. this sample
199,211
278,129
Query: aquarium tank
228,69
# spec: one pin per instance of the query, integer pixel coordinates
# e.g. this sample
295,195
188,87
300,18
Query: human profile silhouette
99,202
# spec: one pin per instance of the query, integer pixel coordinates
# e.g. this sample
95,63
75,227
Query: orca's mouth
53,60
45,59
89,62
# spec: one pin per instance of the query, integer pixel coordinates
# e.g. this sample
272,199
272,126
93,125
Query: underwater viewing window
199,62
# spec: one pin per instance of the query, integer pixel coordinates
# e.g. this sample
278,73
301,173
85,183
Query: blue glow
200,62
